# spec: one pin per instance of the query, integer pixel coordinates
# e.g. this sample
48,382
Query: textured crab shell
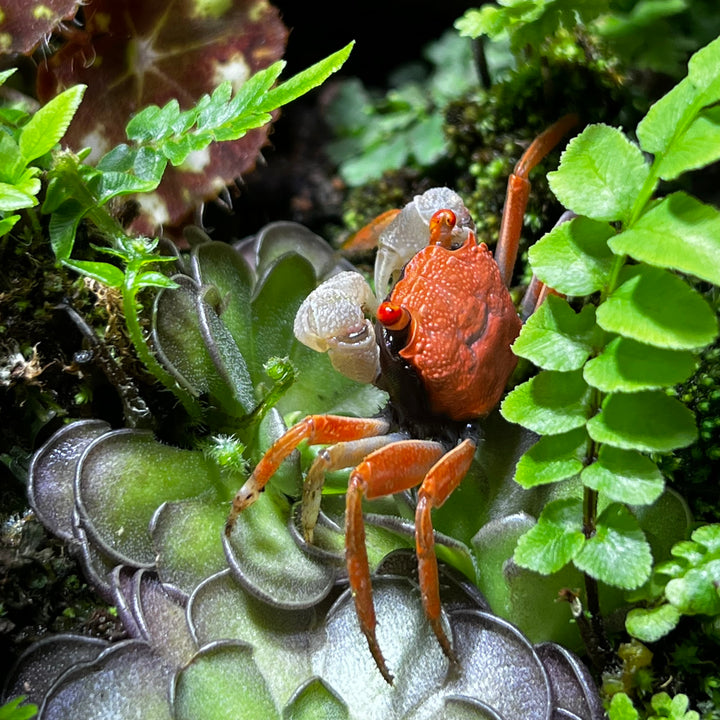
463,324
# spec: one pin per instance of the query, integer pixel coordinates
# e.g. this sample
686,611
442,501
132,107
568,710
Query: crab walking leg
334,457
518,191
317,430
437,486
389,470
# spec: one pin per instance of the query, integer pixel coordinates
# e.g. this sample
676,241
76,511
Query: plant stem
132,321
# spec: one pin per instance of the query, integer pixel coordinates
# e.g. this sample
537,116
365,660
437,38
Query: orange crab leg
317,430
388,470
518,191
437,486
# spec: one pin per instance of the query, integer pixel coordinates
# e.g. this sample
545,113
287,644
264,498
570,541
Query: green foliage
16,710
404,127
603,399
77,192
25,139
661,706
640,33
686,585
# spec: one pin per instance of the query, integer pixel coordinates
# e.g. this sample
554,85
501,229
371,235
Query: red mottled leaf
24,23
133,53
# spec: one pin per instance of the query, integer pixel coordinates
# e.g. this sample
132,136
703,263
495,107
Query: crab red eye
441,226
392,316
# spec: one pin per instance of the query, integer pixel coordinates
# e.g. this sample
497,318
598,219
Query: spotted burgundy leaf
134,53
24,23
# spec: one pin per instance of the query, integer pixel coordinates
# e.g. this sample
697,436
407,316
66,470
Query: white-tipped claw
332,319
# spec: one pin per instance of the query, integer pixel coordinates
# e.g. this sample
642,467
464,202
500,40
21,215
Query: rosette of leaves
223,652
132,54
628,333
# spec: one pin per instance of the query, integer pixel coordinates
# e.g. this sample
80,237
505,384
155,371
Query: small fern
603,399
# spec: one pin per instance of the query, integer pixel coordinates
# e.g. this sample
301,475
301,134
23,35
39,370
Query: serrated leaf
550,403
697,147
679,233
47,126
649,421
654,306
665,124
555,540
624,476
629,366
708,536
574,257
304,81
651,624
153,122
552,458
618,553
555,337
601,173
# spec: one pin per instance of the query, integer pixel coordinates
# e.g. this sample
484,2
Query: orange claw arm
391,469
317,430
518,191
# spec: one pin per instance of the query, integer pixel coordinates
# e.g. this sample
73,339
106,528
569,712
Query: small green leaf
648,421
574,257
629,366
621,708
555,540
47,126
697,147
550,403
7,224
618,553
103,272
651,624
557,338
13,198
679,233
552,458
5,74
63,226
304,81
624,476
708,536
654,306
154,279
601,173
696,592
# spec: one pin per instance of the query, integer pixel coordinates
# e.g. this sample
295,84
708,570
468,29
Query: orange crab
440,348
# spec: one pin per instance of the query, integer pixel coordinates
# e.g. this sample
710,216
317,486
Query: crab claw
332,319
409,233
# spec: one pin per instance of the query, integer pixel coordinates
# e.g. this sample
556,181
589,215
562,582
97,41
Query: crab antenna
518,191
441,225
